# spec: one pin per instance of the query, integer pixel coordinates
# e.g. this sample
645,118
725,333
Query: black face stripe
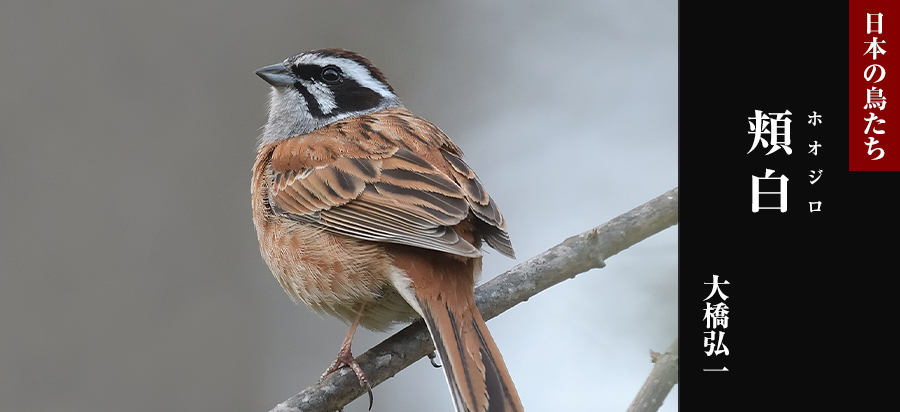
310,72
349,96
312,105
346,54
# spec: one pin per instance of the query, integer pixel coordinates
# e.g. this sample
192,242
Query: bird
367,212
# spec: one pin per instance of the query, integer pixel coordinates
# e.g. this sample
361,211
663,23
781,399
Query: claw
432,356
371,397
345,358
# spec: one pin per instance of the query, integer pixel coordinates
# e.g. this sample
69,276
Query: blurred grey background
130,277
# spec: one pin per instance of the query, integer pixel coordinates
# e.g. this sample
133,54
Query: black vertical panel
792,276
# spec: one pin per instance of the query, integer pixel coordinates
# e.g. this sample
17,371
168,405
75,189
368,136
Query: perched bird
368,212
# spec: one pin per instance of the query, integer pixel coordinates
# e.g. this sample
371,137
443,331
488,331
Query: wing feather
401,181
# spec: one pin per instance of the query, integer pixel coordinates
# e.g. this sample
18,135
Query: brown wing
490,223
386,177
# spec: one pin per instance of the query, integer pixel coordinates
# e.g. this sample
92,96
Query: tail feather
441,288
476,373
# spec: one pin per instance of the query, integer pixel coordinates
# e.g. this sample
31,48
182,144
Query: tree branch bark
573,256
661,380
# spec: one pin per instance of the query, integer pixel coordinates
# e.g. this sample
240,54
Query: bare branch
575,255
661,380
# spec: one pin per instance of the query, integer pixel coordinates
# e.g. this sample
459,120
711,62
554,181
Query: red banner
874,76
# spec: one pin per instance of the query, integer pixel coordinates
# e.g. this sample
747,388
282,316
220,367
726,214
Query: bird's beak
276,75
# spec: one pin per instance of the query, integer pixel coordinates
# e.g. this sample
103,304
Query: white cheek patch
322,94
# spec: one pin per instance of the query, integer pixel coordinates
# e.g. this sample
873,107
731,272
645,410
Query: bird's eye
331,74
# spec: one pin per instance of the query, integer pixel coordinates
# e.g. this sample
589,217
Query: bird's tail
478,378
476,374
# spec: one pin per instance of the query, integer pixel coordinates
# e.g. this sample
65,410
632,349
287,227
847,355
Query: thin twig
661,380
575,255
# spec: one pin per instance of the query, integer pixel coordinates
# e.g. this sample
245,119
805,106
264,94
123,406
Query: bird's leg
345,357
